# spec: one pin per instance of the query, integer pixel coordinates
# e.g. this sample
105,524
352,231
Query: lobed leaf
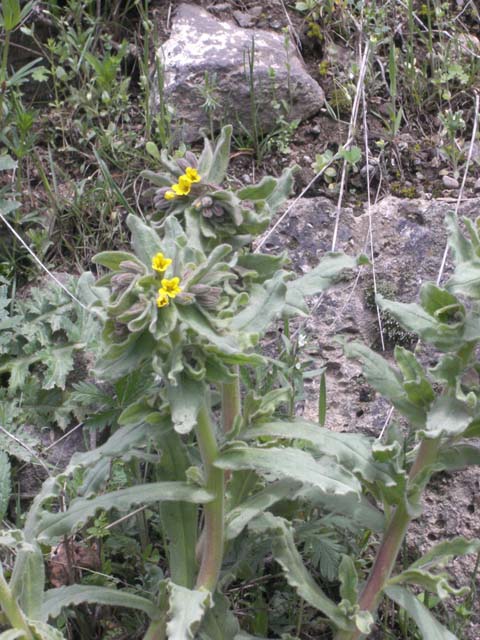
187,608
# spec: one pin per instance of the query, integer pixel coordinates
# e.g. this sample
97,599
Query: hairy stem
11,609
156,630
212,548
392,540
231,403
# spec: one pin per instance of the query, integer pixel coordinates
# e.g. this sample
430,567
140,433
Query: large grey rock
202,46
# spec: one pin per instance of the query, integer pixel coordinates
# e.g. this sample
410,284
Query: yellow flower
169,195
162,298
192,174
171,287
160,263
182,188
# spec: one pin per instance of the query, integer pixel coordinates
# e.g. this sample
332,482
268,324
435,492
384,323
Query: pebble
450,183
246,179
244,20
419,176
476,186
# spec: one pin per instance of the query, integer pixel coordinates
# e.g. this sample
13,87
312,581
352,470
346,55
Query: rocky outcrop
209,68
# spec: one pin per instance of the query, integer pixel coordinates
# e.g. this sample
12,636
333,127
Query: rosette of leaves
211,213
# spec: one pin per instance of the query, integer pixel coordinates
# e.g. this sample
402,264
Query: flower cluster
184,184
170,289
170,286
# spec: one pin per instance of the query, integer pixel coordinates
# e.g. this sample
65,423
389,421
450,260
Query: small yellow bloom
171,287
160,263
182,188
192,174
169,195
162,298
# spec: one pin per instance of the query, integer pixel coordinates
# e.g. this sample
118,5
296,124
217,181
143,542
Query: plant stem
231,403
392,540
12,610
156,630
212,551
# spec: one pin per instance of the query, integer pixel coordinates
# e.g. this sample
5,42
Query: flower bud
131,266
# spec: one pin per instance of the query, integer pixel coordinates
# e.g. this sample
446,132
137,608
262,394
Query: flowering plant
188,306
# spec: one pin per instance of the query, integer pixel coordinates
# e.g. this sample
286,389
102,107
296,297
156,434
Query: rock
244,20
476,186
450,183
200,45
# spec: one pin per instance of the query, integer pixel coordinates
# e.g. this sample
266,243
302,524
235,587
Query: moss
402,191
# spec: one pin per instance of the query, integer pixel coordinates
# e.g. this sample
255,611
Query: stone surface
450,183
200,45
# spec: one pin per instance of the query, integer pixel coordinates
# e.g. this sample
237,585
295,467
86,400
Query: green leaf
125,357
145,240
221,156
444,551
59,363
7,163
447,417
259,191
297,576
53,525
185,400
12,634
266,304
112,259
219,622
352,450
27,583
324,275
361,513
56,599
419,390
283,189
463,250
178,519
186,610
121,442
5,484
201,324
347,575
385,380
429,627
292,463
466,279
152,149
456,457
442,335
261,266
240,516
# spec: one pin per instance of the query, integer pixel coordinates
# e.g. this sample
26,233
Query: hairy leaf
5,484
275,463
53,525
351,450
186,610
56,599
429,627
239,517
447,417
286,554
